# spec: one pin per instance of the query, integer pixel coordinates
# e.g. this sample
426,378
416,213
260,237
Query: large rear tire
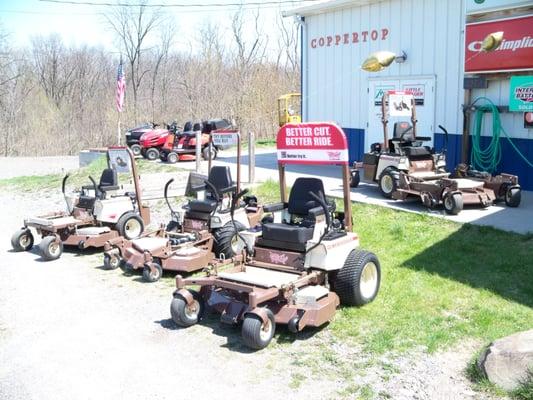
388,182
226,240
357,282
256,334
130,226
22,240
185,315
172,158
50,249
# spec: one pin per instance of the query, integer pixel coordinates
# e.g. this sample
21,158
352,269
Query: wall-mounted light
492,41
380,60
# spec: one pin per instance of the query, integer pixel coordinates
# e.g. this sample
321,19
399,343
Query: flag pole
118,128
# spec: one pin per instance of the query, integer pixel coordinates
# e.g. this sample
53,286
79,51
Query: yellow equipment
289,108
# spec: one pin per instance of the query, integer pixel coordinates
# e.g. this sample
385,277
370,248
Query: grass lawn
441,281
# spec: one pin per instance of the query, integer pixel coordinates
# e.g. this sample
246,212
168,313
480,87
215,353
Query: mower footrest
93,230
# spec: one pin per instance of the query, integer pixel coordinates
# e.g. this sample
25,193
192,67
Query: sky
84,24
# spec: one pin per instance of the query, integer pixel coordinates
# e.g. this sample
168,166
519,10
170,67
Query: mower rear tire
354,178
453,203
112,261
172,158
205,153
136,149
152,276
22,240
152,154
357,282
185,315
130,226
226,240
389,182
256,334
50,249
513,196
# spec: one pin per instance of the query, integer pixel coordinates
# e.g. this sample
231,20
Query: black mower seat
287,233
295,236
206,206
416,151
108,180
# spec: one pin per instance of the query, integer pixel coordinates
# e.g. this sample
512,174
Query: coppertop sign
353,38
312,143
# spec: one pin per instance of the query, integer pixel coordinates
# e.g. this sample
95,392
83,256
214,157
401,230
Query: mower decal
278,258
312,143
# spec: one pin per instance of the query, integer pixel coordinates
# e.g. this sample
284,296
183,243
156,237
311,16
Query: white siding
429,31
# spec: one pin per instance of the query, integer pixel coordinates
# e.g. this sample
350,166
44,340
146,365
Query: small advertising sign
379,91
514,53
521,95
312,143
119,160
225,138
400,104
417,91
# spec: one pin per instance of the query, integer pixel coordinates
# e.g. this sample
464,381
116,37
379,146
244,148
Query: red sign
514,53
337,39
312,143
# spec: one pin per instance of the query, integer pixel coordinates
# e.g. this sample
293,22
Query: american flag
121,86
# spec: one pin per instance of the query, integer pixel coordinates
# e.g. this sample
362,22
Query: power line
242,4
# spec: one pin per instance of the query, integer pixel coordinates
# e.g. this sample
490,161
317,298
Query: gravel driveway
71,330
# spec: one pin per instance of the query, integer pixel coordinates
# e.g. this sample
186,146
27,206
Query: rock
506,361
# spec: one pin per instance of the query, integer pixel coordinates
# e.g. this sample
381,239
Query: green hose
489,158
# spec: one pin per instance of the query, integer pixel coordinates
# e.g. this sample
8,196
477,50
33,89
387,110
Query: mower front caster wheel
185,315
257,334
513,196
354,178
22,240
152,272
453,203
112,261
50,248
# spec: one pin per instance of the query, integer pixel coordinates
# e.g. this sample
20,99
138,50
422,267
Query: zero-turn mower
301,266
96,214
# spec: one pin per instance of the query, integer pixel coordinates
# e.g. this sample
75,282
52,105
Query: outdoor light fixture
380,60
492,41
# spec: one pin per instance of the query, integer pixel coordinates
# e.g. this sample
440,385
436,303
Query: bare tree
134,26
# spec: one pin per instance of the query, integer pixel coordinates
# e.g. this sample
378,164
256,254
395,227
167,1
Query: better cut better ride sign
312,143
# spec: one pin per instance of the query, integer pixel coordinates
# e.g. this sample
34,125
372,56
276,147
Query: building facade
439,40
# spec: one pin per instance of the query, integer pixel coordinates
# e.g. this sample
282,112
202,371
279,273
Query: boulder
506,361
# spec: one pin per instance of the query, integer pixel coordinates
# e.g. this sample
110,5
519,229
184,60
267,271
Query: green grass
77,177
442,282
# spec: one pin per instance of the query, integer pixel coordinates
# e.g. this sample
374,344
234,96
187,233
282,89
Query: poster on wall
417,91
379,91
400,104
515,53
521,93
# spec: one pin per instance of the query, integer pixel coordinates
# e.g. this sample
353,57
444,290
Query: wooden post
118,130
239,144
466,127
251,157
198,150
282,185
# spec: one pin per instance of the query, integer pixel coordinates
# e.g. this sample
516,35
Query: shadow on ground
483,258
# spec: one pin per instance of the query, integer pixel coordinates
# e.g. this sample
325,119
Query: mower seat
415,151
108,182
203,206
295,236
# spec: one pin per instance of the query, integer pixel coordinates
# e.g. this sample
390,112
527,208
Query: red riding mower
301,266
96,214
196,235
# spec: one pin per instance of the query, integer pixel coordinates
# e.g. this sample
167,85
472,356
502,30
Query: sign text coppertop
312,143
